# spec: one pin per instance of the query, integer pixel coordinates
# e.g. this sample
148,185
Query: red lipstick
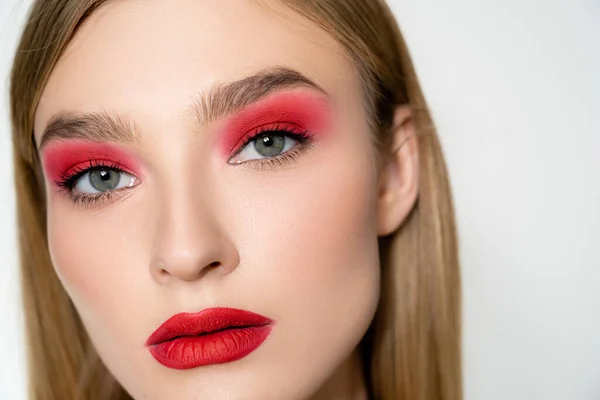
212,336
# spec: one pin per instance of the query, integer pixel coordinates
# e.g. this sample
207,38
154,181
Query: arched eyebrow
95,126
220,101
223,100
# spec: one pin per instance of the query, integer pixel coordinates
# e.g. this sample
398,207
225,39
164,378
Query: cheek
315,251
327,232
332,263
74,250
93,258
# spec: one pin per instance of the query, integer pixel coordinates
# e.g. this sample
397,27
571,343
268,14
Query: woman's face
203,155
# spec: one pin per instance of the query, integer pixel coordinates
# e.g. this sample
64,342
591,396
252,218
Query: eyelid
305,111
302,145
80,181
61,158
99,199
288,128
77,170
66,184
271,163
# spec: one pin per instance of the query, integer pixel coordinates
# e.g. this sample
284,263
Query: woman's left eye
265,145
102,180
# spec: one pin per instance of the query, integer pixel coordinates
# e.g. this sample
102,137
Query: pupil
268,141
104,175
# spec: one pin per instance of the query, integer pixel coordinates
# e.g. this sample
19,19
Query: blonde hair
412,350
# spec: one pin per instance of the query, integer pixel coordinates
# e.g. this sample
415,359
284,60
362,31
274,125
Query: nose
190,244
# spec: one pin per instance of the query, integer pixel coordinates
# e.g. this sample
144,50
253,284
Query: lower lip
213,348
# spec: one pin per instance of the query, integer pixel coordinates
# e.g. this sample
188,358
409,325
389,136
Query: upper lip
205,321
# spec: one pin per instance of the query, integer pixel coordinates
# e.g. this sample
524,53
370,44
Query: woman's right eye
102,180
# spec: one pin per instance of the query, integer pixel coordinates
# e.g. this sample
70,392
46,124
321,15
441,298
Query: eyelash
68,180
303,137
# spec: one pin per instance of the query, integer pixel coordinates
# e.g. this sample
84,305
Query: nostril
209,267
161,268
187,269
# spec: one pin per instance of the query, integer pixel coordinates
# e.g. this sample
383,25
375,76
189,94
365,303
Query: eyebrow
218,102
101,127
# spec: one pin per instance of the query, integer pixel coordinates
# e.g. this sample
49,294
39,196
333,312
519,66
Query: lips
212,336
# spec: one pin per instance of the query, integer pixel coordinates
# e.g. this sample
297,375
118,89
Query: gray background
514,89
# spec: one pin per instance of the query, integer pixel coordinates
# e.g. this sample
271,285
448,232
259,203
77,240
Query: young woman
234,199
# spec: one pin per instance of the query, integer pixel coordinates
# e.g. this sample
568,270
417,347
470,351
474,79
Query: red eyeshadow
60,157
306,111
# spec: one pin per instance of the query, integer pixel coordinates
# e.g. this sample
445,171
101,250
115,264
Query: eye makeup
302,115
61,157
66,161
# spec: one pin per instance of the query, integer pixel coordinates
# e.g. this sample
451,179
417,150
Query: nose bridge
189,240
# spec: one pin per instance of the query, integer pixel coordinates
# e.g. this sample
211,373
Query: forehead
137,57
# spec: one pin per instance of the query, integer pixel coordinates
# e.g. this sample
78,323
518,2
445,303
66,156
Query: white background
514,89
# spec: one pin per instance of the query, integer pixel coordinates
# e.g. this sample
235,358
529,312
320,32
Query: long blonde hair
412,350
